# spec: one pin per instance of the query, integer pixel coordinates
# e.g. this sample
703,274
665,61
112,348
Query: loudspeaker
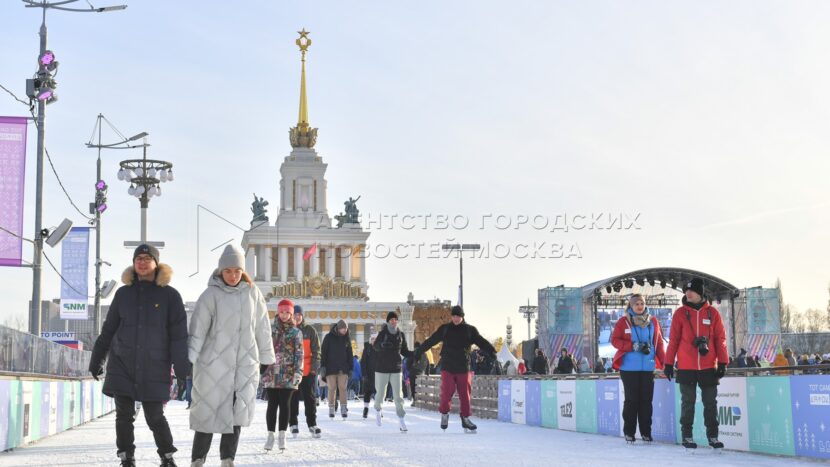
60,231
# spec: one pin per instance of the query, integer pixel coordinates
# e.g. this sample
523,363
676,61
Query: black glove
262,369
669,371
181,371
721,371
96,373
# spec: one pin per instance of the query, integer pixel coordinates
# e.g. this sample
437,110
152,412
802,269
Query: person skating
144,332
639,342
311,363
540,363
230,337
416,367
458,337
336,358
367,365
281,379
389,346
698,343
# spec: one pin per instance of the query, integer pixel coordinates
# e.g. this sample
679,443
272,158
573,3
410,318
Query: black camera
702,344
645,348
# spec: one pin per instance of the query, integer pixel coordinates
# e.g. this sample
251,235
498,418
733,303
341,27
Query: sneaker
281,441
315,432
226,463
630,439
379,417
445,420
715,443
167,460
295,431
365,412
689,443
127,460
403,424
269,441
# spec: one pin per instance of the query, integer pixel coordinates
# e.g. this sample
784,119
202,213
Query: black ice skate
295,431
689,444
365,412
647,438
315,432
630,439
445,421
716,445
469,427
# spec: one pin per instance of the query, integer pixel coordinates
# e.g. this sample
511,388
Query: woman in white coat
230,337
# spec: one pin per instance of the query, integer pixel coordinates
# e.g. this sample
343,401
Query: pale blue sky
708,118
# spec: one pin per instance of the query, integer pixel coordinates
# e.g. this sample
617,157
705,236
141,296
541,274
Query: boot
315,432
295,431
281,441
469,427
127,460
379,417
167,460
445,420
198,463
403,425
269,441
227,463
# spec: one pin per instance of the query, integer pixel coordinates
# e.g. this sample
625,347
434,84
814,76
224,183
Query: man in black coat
389,346
336,357
458,337
566,363
540,363
144,333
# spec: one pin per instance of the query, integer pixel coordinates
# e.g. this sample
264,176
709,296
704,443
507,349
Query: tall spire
303,136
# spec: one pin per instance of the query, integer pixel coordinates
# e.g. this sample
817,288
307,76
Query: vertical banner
12,181
550,411
75,272
504,400
608,407
586,406
566,398
811,415
762,311
770,417
733,429
533,403
517,401
664,419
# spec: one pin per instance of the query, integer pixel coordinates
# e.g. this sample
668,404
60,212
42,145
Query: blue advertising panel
810,396
504,400
664,420
533,403
75,274
608,407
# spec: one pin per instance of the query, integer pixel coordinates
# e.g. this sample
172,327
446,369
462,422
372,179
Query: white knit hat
232,257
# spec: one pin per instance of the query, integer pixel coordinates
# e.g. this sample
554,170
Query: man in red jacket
698,341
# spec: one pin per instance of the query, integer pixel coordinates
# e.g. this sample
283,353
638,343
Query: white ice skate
269,441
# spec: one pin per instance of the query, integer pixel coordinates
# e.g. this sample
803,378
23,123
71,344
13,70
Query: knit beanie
695,285
391,315
298,310
285,302
457,311
232,257
145,249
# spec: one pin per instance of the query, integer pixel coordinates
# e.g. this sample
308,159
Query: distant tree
15,322
814,320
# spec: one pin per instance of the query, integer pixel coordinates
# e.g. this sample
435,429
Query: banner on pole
12,181
75,272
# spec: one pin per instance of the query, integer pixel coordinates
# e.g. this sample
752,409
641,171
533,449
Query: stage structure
575,317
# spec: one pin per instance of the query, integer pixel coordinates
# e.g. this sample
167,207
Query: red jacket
621,341
688,323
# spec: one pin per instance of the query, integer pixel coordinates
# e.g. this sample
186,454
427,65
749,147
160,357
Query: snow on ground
356,441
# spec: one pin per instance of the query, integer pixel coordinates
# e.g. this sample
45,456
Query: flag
309,252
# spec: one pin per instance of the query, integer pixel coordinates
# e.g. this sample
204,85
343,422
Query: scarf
640,320
392,329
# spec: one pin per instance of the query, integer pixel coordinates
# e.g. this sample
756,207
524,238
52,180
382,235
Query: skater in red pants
458,337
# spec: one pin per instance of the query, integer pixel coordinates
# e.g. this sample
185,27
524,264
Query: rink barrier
33,408
484,400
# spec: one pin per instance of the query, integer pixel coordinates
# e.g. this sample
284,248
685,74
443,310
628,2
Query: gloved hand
182,370
721,371
262,369
298,377
668,370
96,372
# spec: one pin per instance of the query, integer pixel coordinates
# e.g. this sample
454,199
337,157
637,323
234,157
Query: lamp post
42,88
99,206
461,248
145,177
529,312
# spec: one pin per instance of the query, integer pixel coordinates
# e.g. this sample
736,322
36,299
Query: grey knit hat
232,257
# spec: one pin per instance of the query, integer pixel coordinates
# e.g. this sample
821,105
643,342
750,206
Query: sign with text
733,429
566,400
12,181
811,415
608,407
75,272
763,311
517,401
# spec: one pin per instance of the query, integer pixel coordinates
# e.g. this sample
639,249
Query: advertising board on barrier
811,415
504,400
608,407
770,416
566,400
586,406
663,418
533,403
517,401
733,429
550,410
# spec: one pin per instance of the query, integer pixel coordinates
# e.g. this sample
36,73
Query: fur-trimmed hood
164,274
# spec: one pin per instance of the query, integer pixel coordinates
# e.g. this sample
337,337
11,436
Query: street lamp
461,248
42,88
99,206
529,312
145,177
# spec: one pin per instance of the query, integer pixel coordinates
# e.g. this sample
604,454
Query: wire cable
62,278
15,97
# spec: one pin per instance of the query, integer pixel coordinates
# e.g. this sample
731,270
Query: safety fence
24,353
759,410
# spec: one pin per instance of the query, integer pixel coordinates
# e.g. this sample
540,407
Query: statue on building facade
352,213
258,208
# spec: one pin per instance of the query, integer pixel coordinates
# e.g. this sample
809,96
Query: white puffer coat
230,336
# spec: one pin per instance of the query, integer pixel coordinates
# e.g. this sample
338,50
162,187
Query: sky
704,121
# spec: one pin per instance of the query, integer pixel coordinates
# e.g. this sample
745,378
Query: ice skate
315,432
344,412
403,425
469,427
295,431
445,421
379,417
630,439
647,439
198,463
331,412
716,445
226,463
689,444
366,412
269,441
126,461
281,441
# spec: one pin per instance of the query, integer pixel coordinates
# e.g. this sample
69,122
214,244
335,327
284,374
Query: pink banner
12,181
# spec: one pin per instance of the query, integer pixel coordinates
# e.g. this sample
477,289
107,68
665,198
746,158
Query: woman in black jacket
336,357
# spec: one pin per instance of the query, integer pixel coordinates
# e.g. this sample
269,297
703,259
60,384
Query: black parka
388,350
336,352
144,333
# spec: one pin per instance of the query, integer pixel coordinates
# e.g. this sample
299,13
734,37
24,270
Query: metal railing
24,354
